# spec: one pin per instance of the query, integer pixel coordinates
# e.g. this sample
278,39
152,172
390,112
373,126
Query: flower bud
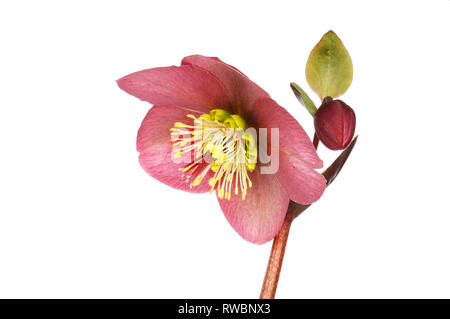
335,124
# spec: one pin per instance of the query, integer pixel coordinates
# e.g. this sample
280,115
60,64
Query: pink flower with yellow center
200,136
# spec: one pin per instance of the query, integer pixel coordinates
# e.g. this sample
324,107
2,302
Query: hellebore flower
195,139
335,124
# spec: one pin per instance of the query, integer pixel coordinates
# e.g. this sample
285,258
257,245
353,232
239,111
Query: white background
80,218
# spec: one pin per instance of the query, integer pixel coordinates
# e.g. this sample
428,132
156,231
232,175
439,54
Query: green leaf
330,174
304,99
329,70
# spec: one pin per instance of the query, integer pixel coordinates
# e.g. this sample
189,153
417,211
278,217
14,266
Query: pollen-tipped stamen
219,137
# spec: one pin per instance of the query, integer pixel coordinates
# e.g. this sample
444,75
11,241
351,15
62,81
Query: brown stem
276,259
316,141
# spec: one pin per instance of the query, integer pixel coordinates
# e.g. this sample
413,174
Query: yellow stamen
222,136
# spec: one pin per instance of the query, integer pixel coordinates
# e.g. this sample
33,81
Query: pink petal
259,217
303,184
297,155
243,91
268,114
186,86
155,147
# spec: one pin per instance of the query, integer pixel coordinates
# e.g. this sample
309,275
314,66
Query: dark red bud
335,124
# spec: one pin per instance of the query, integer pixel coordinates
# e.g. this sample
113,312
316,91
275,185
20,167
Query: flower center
220,140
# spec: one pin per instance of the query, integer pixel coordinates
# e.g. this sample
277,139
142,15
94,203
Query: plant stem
276,259
316,141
